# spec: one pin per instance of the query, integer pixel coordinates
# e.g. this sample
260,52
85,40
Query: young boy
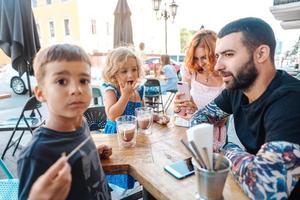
63,75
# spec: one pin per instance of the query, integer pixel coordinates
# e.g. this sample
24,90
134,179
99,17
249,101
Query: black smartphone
181,168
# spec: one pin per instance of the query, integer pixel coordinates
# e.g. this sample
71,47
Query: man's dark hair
255,31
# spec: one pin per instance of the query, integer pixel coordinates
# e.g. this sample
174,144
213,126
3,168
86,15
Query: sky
191,14
214,14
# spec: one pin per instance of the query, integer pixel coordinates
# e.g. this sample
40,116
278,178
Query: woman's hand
54,184
104,151
184,107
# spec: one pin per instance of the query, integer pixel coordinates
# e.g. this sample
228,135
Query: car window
173,57
181,58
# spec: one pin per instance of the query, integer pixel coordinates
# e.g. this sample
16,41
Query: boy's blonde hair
117,58
58,52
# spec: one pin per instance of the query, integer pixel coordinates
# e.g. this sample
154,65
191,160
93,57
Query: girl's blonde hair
117,58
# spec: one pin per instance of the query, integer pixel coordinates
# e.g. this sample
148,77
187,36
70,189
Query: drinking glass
144,117
126,128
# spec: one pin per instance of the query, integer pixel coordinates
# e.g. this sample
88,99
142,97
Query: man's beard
245,77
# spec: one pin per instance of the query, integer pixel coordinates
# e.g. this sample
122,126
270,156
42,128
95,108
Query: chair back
32,104
96,93
96,117
152,87
27,121
153,95
152,82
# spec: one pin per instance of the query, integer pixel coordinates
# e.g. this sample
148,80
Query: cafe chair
96,93
9,186
26,122
171,96
153,95
96,118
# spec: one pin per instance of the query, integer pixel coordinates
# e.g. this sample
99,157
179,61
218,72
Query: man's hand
104,151
54,184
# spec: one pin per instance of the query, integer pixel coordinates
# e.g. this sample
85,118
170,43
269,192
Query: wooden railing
280,2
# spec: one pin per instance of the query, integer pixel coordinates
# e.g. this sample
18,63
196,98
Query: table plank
146,162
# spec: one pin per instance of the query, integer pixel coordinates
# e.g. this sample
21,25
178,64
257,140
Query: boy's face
65,88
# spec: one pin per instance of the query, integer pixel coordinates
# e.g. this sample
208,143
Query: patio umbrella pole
28,80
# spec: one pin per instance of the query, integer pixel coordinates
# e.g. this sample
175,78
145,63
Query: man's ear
262,53
39,94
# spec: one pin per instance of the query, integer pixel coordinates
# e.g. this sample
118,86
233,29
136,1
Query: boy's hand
55,183
104,151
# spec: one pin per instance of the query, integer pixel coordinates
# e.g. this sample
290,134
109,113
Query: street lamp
166,15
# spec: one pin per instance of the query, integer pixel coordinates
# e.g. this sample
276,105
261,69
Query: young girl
122,95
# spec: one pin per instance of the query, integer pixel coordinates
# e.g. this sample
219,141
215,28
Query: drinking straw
198,154
206,159
219,161
191,151
78,147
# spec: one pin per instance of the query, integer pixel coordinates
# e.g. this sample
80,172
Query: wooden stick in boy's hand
78,147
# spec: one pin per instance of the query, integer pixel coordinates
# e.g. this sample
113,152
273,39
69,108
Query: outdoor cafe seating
27,121
153,95
9,186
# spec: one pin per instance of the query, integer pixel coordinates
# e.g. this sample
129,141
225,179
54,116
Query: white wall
146,28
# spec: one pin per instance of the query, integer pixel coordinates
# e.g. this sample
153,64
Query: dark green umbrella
18,36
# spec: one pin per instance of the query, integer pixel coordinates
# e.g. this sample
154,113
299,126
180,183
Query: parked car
151,62
18,84
178,58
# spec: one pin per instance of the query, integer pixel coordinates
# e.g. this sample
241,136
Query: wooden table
4,96
146,160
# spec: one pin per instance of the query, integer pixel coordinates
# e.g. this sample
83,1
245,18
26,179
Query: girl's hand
127,88
104,151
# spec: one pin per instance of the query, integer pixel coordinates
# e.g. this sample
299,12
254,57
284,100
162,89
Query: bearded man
265,106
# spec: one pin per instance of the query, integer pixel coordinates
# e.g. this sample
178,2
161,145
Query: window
94,27
34,3
51,28
49,2
67,26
